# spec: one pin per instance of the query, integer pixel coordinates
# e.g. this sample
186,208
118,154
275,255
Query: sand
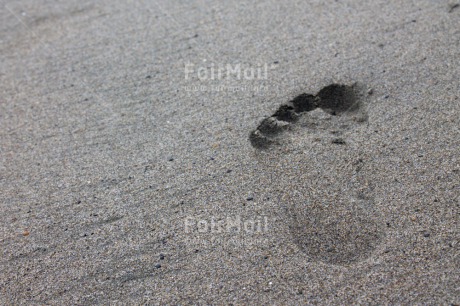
128,174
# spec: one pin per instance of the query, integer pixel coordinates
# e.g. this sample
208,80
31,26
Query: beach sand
130,172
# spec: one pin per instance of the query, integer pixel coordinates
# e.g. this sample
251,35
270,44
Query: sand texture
136,167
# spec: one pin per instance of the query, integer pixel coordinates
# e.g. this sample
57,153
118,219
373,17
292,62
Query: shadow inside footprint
305,103
334,99
335,221
341,233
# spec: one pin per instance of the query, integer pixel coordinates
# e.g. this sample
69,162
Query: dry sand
125,178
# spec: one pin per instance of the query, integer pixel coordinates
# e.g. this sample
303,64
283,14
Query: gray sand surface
127,179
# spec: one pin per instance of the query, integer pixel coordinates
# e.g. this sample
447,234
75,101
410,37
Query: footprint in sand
326,190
